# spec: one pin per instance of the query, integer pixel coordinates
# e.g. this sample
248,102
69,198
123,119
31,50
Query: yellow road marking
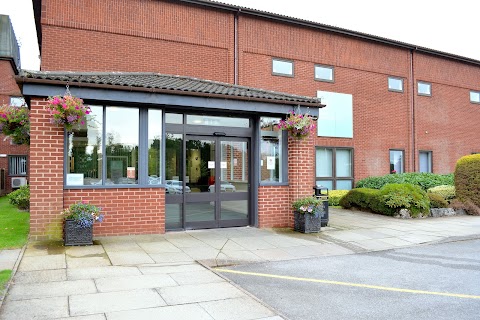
350,284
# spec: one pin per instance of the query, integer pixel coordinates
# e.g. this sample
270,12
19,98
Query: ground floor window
334,168
425,161
397,161
272,151
17,165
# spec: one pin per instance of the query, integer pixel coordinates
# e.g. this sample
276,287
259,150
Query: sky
444,25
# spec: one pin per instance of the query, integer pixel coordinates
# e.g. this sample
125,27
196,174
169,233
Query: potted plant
298,125
308,212
67,111
79,219
15,123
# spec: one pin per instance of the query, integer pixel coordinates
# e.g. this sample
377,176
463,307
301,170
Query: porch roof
164,84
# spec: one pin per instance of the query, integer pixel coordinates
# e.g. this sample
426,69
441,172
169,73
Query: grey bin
321,192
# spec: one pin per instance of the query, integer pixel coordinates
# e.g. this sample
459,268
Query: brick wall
274,207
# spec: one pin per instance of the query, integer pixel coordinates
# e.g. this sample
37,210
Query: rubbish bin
321,192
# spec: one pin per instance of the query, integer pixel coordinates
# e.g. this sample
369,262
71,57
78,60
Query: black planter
306,222
325,214
77,236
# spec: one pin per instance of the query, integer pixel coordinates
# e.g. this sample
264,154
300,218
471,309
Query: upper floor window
17,101
324,73
475,96
424,88
336,119
395,84
282,67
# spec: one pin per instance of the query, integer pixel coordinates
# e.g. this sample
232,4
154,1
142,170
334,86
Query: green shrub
406,196
424,180
437,201
308,205
445,191
365,198
334,197
20,197
467,182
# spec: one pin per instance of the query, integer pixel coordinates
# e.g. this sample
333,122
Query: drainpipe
412,109
235,49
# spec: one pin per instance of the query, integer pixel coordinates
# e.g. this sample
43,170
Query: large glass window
85,145
203,120
336,119
122,145
154,146
397,161
425,160
334,168
282,67
271,150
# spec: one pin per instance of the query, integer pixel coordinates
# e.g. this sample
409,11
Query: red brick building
390,106
13,157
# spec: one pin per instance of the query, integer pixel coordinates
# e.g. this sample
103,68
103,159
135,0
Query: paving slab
40,276
45,308
129,257
202,253
169,257
85,251
251,243
89,317
101,272
8,258
195,277
154,269
82,262
236,309
114,301
158,247
199,293
180,312
134,282
48,262
24,291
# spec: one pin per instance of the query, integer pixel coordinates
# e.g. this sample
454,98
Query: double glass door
215,188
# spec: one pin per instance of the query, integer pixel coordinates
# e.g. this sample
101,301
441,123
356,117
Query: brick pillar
301,166
46,174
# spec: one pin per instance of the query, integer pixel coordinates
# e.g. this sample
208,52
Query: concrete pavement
168,276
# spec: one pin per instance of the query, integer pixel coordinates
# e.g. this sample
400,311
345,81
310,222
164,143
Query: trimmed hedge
20,197
467,182
389,199
424,180
446,192
334,197
437,201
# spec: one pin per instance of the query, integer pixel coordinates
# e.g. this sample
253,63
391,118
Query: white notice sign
223,164
211,164
270,163
75,179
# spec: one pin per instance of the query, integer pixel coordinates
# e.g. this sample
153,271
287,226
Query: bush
334,197
437,201
424,180
467,182
308,205
445,191
406,196
365,198
20,197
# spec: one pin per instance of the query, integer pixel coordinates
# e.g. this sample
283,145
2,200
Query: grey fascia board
116,96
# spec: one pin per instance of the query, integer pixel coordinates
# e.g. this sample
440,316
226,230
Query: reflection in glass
344,184
85,151
200,211
270,150
324,163
154,146
282,67
202,120
122,145
343,163
233,167
175,118
173,216
325,183
173,162
396,161
236,209
200,165
324,73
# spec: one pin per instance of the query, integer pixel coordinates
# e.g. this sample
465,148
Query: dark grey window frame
284,74
395,78
403,159
142,151
334,178
13,174
284,175
424,94
431,159
325,67
473,101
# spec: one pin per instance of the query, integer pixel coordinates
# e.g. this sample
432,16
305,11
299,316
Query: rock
403,214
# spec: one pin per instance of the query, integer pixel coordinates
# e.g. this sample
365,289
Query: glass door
216,191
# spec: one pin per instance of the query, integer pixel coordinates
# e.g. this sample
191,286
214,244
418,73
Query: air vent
17,182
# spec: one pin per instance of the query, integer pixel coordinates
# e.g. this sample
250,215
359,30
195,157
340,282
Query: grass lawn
4,276
14,226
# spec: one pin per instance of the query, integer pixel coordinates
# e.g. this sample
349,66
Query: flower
84,213
68,111
298,125
15,123
393,171
310,205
